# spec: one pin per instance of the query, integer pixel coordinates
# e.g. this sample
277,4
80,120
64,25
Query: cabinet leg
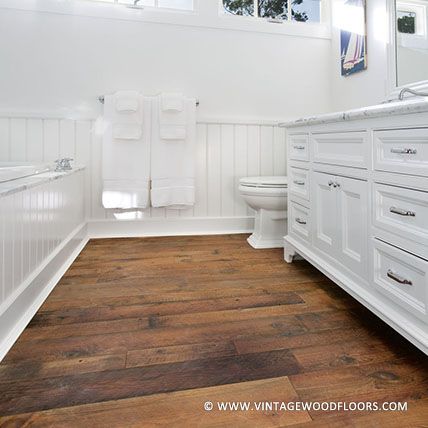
289,252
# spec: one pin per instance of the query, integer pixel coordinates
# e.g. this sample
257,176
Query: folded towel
172,102
127,131
127,101
126,155
173,164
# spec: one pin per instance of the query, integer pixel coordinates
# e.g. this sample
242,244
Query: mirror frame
394,89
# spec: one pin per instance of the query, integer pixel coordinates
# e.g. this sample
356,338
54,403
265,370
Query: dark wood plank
41,394
178,409
106,313
114,343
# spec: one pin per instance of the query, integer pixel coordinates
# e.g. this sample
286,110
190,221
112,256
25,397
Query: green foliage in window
239,7
266,8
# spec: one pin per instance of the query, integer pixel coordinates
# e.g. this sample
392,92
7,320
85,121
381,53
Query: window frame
206,14
156,7
289,19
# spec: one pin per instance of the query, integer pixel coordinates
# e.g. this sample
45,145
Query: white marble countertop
18,185
417,105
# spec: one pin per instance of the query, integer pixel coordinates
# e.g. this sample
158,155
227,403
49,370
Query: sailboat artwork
353,39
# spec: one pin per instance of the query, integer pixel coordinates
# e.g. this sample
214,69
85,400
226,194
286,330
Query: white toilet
268,197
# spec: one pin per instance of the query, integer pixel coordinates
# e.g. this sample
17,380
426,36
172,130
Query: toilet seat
277,182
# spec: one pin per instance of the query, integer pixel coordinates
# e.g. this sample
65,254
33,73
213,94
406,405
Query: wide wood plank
41,394
178,409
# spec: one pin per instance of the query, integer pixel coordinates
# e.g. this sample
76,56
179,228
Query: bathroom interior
213,213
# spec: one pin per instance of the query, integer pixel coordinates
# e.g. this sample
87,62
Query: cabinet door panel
352,224
325,213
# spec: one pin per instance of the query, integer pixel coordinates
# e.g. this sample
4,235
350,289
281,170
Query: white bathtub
14,170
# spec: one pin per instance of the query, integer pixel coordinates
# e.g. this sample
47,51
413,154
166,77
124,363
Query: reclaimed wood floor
141,332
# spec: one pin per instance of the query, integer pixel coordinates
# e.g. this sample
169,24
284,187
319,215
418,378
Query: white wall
60,63
370,86
55,64
225,152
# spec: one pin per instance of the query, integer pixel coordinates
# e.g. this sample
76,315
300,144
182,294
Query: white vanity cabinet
358,210
340,220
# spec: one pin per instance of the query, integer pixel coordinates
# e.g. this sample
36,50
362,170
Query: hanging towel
127,131
126,155
173,182
172,117
127,101
173,132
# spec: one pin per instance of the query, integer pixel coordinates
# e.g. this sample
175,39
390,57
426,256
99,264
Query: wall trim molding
112,228
200,119
17,316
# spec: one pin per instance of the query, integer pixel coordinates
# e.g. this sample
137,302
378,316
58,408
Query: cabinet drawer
402,211
298,183
401,277
298,147
341,148
402,150
299,219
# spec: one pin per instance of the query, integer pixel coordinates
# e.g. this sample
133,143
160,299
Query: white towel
173,132
174,192
172,102
127,131
172,117
125,194
127,101
173,164
125,160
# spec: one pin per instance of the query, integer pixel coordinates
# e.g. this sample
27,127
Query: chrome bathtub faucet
63,164
405,91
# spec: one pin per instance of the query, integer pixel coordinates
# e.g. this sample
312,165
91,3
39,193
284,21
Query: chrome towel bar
101,99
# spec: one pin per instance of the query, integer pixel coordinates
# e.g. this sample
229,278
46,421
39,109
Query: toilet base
269,229
258,243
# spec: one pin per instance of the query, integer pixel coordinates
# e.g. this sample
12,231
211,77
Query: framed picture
353,37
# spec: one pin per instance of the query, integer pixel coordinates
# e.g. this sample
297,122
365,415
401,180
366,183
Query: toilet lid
272,182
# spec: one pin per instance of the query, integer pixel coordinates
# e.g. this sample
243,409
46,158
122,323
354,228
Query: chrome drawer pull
334,184
398,278
404,151
299,147
299,182
402,212
300,221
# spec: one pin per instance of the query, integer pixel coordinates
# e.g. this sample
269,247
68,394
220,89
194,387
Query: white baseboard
16,317
169,227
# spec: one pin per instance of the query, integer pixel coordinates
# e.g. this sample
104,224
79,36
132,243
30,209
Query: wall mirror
410,44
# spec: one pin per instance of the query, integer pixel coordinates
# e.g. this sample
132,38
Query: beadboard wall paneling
225,152
33,224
